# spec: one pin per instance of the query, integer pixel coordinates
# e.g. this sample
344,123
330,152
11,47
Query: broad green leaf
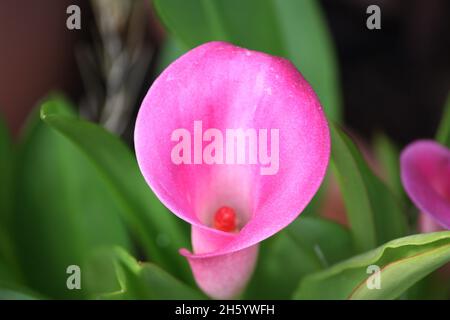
304,247
443,134
8,277
7,294
374,213
6,169
389,157
159,231
63,209
314,207
308,44
9,271
99,274
315,234
402,263
12,288
6,162
293,29
143,280
170,51
435,286
281,264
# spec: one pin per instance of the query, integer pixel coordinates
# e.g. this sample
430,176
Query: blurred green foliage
79,199
443,133
139,280
388,155
159,232
402,263
293,29
375,213
62,209
302,248
71,192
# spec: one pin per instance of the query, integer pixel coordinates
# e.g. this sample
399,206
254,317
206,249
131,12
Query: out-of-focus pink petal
425,171
428,224
220,276
227,87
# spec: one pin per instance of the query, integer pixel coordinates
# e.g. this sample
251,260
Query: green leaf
12,288
314,207
99,273
63,209
143,280
281,264
6,186
7,276
293,29
170,51
443,133
6,161
159,231
315,234
304,247
7,294
402,263
374,213
308,44
388,155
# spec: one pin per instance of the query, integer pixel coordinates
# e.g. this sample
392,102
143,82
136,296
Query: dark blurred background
395,79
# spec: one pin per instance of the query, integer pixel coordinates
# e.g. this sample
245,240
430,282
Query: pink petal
220,276
425,171
228,87
428,224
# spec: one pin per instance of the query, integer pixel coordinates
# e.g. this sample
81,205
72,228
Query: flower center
225,219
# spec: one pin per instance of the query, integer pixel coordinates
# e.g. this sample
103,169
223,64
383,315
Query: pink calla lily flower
235,143
425,173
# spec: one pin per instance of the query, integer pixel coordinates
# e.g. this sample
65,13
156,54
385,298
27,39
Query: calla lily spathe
227,87
425,173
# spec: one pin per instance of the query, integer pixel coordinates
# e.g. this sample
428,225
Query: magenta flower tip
425,173
235,143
